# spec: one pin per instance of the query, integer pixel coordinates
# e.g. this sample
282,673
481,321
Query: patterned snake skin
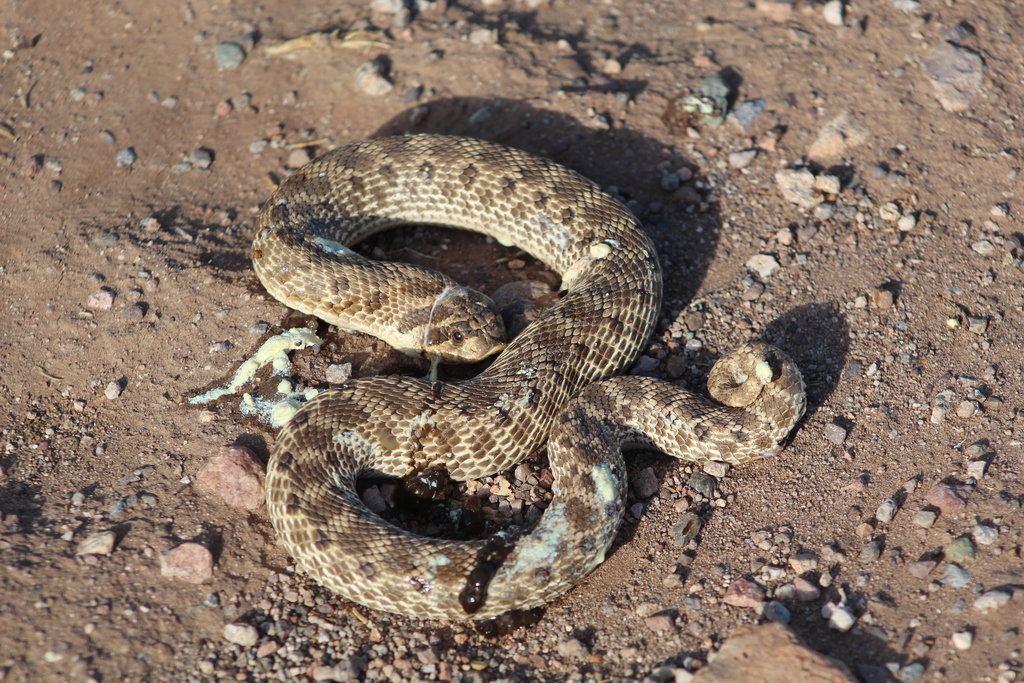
543,385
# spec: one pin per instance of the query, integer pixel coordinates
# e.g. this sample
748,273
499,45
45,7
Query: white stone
98,544
241,634
992,600
762,264
962,640
832,12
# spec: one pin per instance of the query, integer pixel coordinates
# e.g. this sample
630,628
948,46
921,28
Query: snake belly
393,426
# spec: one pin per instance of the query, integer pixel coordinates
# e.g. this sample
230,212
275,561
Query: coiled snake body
544,383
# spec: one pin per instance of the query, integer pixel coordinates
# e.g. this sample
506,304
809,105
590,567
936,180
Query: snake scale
543,388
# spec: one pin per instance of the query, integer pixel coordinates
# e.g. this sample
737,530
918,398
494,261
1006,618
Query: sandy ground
585,83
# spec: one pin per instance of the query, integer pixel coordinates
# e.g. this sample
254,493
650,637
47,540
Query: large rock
236,475
770,653
955,73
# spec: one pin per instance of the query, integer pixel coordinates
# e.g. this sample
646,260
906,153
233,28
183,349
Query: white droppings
604,483
763,371
332,247
600,250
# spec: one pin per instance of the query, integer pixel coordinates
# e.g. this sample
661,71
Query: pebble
702,483
967,409
977,324
832,12
228,55
753,292
645,483
797,186
839,617
645,365
762,264
983,247
573,648
835,434
960,549
776,611
802,563
126,157
921,568
259,328
745,113
906,223
956,75
98,544
660,623
837,137
948,498
743,593
984,534
955,576
881,297
941,407
371,78
887,510
373,499
742,159
298,158
825,211
245,635
102,300
910,673
924,519
484,36
338,373
189,562
776,10
236,475
223,108
769,652
201,157
976,469
685,529
716,468
805,590
871,551
220,347
962,640
136,311
114,389
828,184
992,600
675,366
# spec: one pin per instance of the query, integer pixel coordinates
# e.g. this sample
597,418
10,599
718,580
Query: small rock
136,311
102,300
961,549
298,158
999,210
983,247
955,576
675,366
743,593
372,78
962,640
266,649
236,475
871,551
805,590
245,635
924,519
889,212
776,10
126,157
968,409
956,75
797,186
776,611
374,500
486,36
742,159
828,184
645,483
976,469
977,324
984,534
992,600
220,347
887,510
835,434
948,498
346,671
745,113
338,373
223,108
907,223
921,568
644,365
753,292
573,649
762,264
942,404
825,211
201,157
881,297
837,137
97,544
702,483
832,12
686,529
228,55
114,389
189,562
910,673
803,563
660,623
841,618
716,469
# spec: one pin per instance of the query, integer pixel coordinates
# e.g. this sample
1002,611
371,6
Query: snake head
465,326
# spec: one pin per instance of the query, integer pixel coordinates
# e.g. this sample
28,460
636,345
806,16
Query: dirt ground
892,312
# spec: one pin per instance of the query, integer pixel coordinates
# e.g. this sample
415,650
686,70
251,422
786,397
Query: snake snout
465,327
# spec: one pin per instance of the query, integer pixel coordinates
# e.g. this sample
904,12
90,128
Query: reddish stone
237,476
949,498
743,593
190,562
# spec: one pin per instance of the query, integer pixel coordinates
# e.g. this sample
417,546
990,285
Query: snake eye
457,337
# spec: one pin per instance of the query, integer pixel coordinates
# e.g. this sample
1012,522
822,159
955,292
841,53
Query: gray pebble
412,95
977,324
955,576
338,373
956,74
910,672
102,299
258,146
824,211
114,389
744,114
228,55
241,102
871,551
201,157
742,159
835,434
924,519
645,365
686,528
126,157
702,483
887,510
637,510
135,312
776,611
645,483
371,78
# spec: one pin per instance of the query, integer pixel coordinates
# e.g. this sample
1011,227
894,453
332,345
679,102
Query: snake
556,384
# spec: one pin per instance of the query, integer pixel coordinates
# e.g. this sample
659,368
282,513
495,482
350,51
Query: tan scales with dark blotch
538,386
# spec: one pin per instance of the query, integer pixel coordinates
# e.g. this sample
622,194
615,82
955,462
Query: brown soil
74,222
